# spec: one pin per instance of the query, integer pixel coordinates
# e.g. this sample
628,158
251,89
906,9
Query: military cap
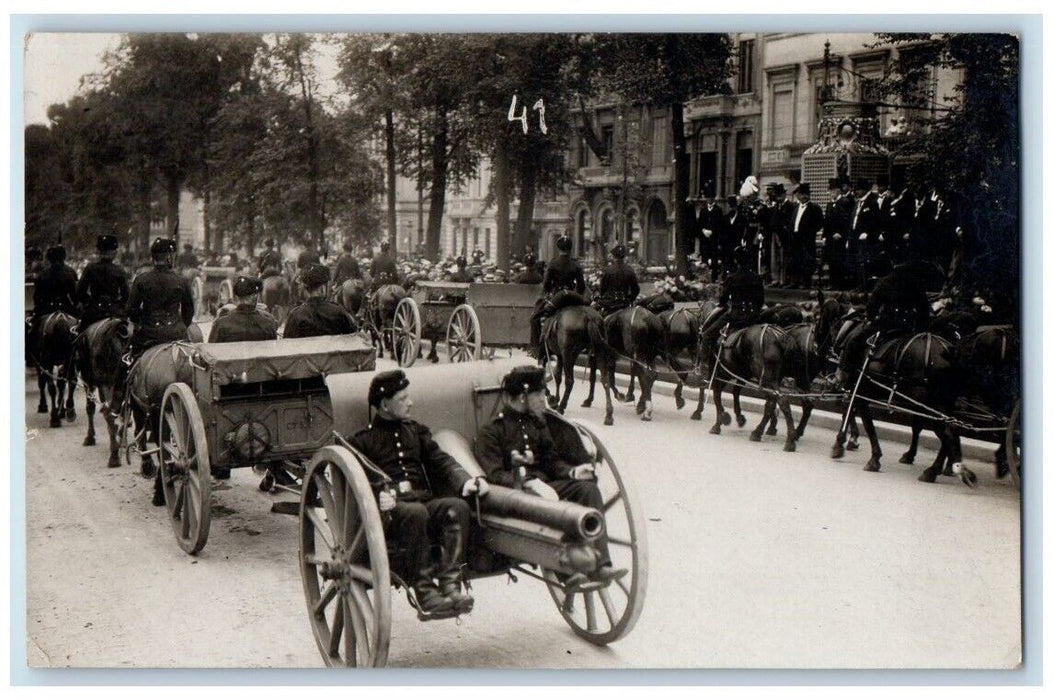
564,243
618,251
529,259
524,379
804,188
106,243
861,183
269,243
462,261
247,286
314,275
188,246
56,253
162,246
349,245
385,385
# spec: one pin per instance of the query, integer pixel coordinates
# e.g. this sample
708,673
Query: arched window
607,226
581,229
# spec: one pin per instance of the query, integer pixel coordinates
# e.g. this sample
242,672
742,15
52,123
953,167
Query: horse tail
594,327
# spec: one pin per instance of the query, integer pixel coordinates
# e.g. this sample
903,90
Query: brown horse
680,336
635,334
807,356
351,295
56,370
566,334
99,350
380,312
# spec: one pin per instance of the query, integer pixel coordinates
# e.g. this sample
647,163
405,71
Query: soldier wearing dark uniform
618,284
896,305
461,274
270,262
102,291
187,260
317,315
246,321
530,275
517,450
563,285
384,269
54,289
346,266
34,262
308,256
741,300
419,497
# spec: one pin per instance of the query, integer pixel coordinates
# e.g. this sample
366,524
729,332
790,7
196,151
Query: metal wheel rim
186,475
406,331
337,586
1012,444
622,601
464,341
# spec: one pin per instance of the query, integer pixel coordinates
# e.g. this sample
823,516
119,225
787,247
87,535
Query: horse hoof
42,408
1001,470
928,476
159,498
639,409
560,410
697,415
680,403
725,419
113,463
770,431
837,451
948,471
790,447
968,478
907,458
872,466
89,441
798,434
608,420
741,420
715,430
586,403
70,414
646,416
755,436
56,422
853,444
147,470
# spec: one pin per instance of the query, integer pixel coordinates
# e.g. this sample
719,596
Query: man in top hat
461,274
317,315
710,227
422,497
741,300
346,266
562,285
517,450
270,262
102,291
530,275
865,230
246,321
735,234
187,260
836,223
807,221
618,284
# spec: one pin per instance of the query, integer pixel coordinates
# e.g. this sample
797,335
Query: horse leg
697,414
791,435
766,415
42,381
722,417
647,379
806,413
71,386
853,432
608,382
874,463
568,378
740,418
89,412
630,395
912,451
638,371
111,427
1001,461
954,456
587,403
678,392
939,465
553,399
56,406
837,451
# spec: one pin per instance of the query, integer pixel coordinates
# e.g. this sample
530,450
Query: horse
55,367
99,350
636,334
756,353
917,373
680,335
277,296
351,295
566,334
380,309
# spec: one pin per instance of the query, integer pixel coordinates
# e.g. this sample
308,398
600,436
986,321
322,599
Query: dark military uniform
384,270
161,306
270,263
423,475
346,269
318,316
529,276
187,261
563,281
245,322
521,431
897,304
307,257
618,287
741,297
102,292
55,289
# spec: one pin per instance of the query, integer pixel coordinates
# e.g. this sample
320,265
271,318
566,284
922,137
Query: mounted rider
317,315
741,300
619,286
530,275
246,321
346,266
54,289
270,261
422,497
102,291
187,260
563,285
384,269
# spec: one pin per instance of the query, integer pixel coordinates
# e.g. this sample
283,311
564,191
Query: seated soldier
418,514
317,315
245,321
618,285
517,449
740,302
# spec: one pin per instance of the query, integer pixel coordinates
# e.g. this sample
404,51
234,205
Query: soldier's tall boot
450,583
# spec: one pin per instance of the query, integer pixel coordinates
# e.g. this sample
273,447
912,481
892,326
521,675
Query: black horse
635,334
99,350
565,335
56,370
680,338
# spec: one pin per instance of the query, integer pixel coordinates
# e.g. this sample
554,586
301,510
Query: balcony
709,107
611,176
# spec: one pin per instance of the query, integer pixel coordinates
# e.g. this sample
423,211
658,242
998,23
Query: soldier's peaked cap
524,379
618,251
269,243
161,246
56,253
564,243
385,385
314,275
106,242
247,286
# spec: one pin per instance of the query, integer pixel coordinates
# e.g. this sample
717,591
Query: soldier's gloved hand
522,459
583,472
478,485
540,488
862,236
387,500
837,236
906,236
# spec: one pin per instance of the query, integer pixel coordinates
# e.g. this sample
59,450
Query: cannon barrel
576,521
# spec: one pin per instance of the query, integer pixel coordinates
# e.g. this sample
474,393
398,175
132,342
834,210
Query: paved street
758,558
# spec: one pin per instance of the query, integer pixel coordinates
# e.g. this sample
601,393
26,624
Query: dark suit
804,227
710,219
735,233
838,221
863,234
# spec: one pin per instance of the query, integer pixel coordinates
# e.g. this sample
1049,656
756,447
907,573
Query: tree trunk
172,187
525,216
206,220
142,211
502,195
315,224
389,135
439,166
681,185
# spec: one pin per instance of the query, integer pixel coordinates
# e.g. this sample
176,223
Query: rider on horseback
384,270
102,291
346,266
317,315
161,307
54,289
270,262
740,302
564,285
187,260
246,321
530,275
618,285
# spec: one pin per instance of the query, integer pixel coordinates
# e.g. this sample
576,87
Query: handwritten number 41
522,118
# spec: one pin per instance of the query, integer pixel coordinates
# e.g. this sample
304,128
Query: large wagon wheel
619,603
344,561
1012,444
186,474
464,336
406,332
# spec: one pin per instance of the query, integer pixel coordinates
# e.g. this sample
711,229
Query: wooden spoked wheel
606,614
406,332
226,292
197,291
344,561
1012,444
186,475
464,336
